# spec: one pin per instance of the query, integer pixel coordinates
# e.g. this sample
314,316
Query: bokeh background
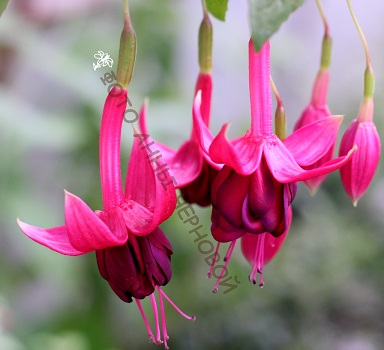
324,290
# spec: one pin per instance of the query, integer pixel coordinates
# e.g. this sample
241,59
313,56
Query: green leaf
218,8
3,6
266,17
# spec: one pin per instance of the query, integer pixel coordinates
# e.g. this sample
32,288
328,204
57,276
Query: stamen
215,258
145,319
258,261
226,259
190,318
163,320
156,316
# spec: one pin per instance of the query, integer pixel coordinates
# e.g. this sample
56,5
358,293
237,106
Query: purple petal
55,238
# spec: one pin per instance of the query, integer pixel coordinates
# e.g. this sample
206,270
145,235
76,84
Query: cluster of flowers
250,181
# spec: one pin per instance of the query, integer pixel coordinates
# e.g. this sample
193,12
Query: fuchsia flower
133,254
317,110
193,170
358,173
254,190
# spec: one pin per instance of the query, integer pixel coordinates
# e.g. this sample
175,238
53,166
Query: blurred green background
324,290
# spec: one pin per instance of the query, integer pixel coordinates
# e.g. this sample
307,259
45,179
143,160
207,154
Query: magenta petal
187,163
200,129
151,187
358,173
138,219
55,238
311,142
285,169
202,133
166,152
86,232
243,155
140,184
109,147
204,84
143,117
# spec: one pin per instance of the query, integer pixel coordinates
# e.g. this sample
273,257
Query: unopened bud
369,82
205,45
280,122
127,52
326,52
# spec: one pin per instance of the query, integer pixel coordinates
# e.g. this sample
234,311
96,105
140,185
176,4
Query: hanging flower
133,254
358,174
254,190
192,169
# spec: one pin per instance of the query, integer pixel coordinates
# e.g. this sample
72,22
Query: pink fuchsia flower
192,169
358,173
318,109
133,254
254,190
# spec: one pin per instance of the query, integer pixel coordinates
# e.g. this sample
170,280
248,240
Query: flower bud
205,45
127,52
357,174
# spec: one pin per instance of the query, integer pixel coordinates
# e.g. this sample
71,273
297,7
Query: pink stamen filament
227,258
215,258
163,320
190,318
145,319
156,316
157,340
258,261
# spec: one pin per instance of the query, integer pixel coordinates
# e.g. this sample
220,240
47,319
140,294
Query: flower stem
369,78
326,49
323,17
204,5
